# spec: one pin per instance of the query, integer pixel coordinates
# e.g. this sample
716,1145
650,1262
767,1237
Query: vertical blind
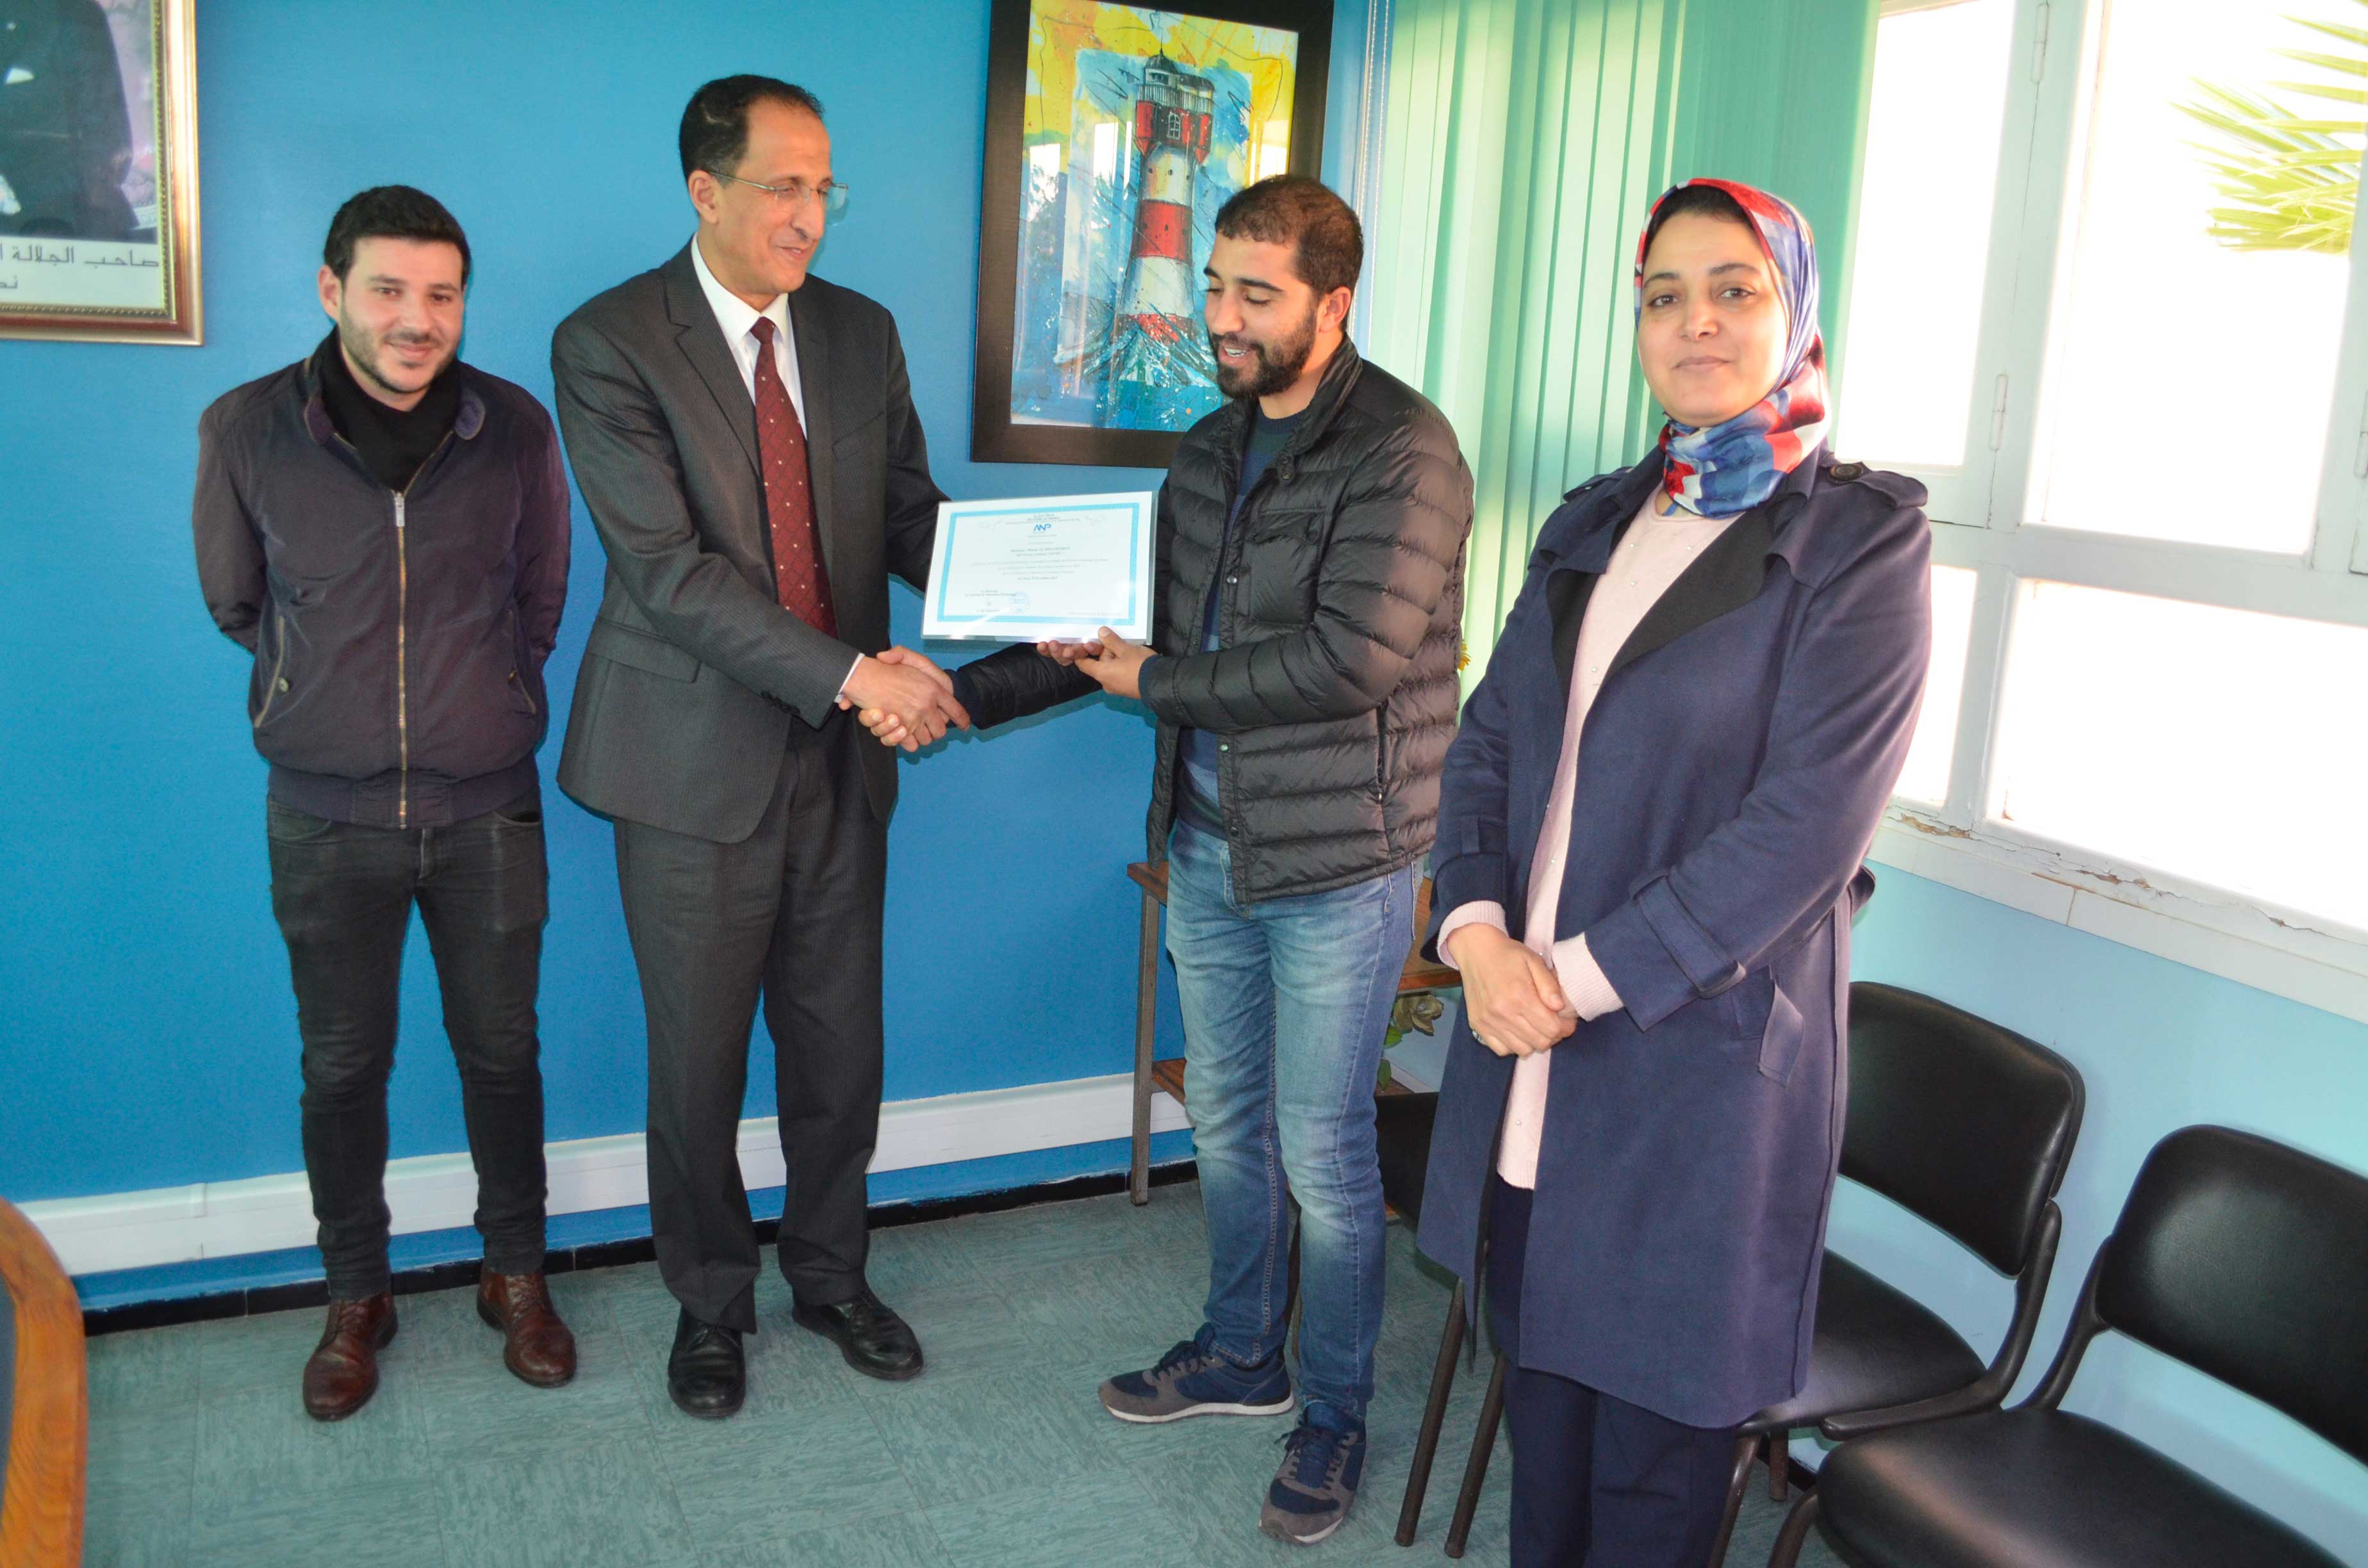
1524,141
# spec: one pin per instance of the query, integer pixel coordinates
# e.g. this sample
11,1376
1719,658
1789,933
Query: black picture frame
994,436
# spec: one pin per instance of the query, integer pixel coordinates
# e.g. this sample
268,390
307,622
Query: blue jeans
1285,1003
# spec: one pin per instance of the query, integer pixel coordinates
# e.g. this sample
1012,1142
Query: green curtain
1524,140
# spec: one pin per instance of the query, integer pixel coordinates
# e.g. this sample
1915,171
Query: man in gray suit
744,438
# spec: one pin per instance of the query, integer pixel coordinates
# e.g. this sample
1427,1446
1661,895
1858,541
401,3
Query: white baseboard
435,1192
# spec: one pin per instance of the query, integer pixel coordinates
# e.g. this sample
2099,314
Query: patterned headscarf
1733,466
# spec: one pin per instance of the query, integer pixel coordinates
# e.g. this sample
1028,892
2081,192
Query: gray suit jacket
693,673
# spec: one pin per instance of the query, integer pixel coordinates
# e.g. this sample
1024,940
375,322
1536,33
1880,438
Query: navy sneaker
1322,1462
1193,1379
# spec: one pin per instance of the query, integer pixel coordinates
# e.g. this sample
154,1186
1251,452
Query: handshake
905,699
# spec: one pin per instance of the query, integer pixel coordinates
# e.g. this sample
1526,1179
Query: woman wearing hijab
1650,834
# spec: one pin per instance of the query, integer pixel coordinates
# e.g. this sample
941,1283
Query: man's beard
361,350
1274,365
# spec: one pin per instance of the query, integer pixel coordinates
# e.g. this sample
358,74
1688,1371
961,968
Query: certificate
1057,566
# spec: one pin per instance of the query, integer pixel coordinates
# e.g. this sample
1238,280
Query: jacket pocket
621,644
864,427
1280,575
276,680
1779,1041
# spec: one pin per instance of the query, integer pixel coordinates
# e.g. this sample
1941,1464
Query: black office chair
2244,1258
1969,1127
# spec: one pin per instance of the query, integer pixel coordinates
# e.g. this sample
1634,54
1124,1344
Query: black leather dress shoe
707,1374
875,1341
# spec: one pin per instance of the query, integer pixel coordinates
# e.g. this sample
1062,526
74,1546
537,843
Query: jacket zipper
402,662
1234,545
278,668
402,688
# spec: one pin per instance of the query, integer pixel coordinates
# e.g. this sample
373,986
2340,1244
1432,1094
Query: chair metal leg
1795,1533
1746,1448
1146,1006
1779,1466
1475,1469
1434,1413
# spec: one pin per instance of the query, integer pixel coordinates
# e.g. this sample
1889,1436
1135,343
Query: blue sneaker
1322,1462
1193,1379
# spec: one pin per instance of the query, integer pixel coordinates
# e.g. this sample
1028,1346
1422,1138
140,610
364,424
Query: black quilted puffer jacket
1340,602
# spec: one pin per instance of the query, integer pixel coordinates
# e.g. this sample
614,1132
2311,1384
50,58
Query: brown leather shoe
536,1347
343,1371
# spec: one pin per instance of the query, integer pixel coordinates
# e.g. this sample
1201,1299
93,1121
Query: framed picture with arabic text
1114,132
98,171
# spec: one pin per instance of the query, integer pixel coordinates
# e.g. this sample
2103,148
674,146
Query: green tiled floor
202,1455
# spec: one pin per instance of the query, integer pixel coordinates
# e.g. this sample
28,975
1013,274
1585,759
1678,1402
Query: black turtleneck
393,442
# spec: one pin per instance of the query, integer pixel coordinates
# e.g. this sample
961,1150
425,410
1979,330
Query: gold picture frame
99,218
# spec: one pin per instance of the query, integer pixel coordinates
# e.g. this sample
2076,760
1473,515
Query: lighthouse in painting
1156,343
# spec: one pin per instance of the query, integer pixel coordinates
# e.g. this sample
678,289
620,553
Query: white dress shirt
1649,557
738,320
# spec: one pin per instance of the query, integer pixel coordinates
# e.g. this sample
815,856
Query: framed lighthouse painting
1114,133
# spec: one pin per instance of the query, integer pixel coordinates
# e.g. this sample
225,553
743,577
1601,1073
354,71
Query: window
2148,285
2137,389
2189,738
1930,181
1926,777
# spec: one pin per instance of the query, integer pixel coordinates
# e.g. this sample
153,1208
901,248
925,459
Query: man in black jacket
385,529
1310,601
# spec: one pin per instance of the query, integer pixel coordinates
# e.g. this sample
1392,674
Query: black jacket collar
1332,391
1577,541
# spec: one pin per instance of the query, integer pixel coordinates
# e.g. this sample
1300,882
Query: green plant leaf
2334,30
2335,62
2339,95
2292,184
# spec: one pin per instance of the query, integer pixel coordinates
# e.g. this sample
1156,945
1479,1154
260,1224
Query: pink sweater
1649,557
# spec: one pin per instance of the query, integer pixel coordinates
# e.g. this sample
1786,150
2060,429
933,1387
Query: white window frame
1985,518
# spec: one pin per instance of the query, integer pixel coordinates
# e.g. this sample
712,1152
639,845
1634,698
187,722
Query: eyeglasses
832,194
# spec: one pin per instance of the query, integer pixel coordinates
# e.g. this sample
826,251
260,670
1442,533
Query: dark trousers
791,914
1596,1481
343,895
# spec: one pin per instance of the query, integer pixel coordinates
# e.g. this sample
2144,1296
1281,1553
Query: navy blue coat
1731,773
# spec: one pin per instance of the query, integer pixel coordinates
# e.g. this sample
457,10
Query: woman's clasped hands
1513,1002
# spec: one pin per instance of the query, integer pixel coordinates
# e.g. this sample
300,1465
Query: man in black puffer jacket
1310,601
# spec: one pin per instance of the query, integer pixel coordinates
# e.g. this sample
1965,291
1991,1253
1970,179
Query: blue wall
2161,1046
147,1033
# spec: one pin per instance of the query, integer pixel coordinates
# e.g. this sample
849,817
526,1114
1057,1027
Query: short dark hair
1707,200
391,212
714,134
1296,210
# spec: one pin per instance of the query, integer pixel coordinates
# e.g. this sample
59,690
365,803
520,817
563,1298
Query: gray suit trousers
791,914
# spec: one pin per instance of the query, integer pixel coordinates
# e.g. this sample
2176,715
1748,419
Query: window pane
1924,233
2192,380
1926,778
2220,745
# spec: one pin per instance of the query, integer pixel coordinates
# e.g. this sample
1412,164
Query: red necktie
798,576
